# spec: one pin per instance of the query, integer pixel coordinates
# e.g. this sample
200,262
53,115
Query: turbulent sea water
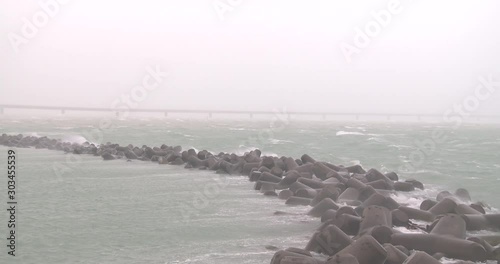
85,210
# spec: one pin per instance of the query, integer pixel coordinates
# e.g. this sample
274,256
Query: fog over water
195,182
420,57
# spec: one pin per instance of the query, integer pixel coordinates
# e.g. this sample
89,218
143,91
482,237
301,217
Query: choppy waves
344,133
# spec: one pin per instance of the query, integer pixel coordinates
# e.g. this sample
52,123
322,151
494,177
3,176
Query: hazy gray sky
262,55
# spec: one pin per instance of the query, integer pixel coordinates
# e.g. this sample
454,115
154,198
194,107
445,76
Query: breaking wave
343,133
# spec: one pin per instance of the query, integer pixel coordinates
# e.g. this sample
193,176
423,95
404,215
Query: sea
81,209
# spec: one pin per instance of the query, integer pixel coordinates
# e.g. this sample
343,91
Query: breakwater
303,180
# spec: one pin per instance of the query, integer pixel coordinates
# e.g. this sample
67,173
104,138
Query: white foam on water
242,150
75,139
354,127
272,154
406,230
407,200
280,141
399,147
379,140
434,172
415,198
355,162
344,133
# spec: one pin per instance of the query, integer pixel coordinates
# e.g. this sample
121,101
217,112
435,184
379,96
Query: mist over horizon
426,57
250,131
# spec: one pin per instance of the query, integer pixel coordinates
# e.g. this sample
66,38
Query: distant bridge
209,113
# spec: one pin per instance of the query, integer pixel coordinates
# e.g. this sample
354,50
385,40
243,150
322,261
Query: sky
404,56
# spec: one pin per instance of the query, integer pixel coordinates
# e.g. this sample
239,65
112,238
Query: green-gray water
85,210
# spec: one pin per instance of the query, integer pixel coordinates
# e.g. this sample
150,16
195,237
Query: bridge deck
65,109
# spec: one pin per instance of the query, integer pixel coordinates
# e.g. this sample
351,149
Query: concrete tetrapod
450,246
366,250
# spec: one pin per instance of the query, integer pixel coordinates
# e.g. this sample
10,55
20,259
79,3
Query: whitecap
342,133
355,162
242,150
279,141
379,140
352,127
408,200
424,171
75,139
400,146
272,154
